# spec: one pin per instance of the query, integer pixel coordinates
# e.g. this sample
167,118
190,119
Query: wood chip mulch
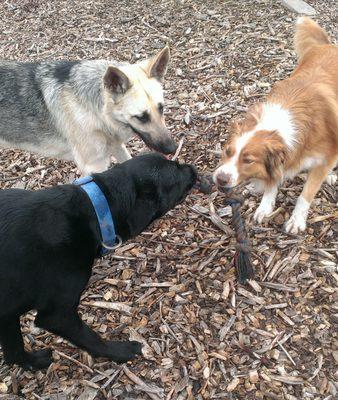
173,288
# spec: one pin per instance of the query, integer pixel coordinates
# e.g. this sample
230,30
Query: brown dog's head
134,100
253,155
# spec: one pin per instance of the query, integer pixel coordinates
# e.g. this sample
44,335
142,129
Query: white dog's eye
144,118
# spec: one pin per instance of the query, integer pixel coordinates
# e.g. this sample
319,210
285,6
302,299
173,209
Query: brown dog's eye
248,160
228,151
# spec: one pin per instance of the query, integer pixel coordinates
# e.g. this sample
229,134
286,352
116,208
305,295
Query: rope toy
242,260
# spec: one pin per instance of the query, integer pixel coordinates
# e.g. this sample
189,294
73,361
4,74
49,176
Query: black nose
168,147
223,179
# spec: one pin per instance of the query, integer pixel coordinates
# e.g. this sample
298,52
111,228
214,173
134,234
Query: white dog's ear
157,66
116,81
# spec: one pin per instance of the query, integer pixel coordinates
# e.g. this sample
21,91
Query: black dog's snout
204,184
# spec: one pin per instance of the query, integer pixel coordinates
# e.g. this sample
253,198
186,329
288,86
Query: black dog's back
33,226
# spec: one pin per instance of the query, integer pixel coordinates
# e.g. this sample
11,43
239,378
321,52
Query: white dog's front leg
120,152
267,204
92,158
95,167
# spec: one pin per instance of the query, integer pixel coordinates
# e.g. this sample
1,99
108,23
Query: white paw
331,179
296,224
263,211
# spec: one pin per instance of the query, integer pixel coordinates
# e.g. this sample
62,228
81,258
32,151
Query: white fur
300,20
307,164
297,221
267,204
276,118
311,162
273,118
230,167
256,186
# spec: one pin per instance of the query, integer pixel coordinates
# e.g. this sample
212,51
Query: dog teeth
331,179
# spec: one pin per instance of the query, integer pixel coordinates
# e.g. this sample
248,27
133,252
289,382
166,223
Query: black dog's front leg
69,325
13,348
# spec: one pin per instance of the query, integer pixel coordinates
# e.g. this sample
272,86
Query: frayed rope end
243,266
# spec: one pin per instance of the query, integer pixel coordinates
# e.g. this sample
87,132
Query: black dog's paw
122,352
40,359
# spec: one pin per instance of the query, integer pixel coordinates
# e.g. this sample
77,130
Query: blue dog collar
103,213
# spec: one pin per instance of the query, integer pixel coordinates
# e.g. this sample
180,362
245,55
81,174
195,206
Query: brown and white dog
295,129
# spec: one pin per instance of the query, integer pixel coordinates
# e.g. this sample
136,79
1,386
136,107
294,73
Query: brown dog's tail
308,34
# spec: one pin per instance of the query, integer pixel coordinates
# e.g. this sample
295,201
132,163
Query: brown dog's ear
157,66
234,127
116,81
275,157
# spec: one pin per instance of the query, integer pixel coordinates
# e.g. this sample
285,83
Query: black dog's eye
144,118
160,108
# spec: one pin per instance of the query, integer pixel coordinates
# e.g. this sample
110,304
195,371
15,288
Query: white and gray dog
84,111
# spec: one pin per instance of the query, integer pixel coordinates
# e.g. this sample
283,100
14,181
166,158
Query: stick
178,150
79,363
151,391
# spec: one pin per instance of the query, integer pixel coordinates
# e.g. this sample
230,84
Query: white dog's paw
296,224
263,211
331,179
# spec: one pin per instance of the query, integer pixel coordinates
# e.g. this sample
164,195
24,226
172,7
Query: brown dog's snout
223,179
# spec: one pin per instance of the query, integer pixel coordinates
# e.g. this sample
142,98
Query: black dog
50,238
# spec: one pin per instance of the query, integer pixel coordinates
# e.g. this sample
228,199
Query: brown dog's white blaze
252,155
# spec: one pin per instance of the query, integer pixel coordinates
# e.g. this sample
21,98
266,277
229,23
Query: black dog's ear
116,81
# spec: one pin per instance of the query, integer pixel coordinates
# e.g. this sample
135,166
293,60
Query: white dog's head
134,97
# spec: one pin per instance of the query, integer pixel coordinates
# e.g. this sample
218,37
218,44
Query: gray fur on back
31,97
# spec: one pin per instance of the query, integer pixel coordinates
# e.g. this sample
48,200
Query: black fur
50,238
62,70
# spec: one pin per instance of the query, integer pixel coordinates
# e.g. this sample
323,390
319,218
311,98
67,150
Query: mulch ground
173,288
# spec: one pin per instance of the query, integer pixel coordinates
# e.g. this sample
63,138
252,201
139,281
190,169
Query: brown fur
308,34
310,95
